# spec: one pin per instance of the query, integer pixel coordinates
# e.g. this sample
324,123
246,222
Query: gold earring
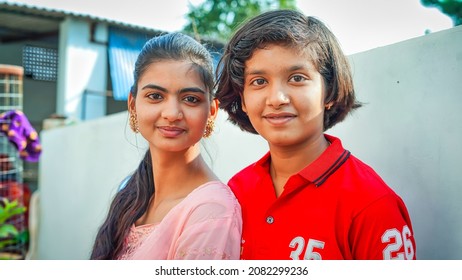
134,123
209,128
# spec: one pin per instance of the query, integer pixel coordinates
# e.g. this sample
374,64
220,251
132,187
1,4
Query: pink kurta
206,225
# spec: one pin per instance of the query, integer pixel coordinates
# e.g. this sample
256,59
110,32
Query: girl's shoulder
213,197
213,191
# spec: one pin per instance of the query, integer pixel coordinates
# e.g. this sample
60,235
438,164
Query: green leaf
5,243
22,237
6,230
10,209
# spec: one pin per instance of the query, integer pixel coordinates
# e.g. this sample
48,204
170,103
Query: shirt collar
319,170
327,163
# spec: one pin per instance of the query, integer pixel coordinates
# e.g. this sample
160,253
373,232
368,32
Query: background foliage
218,18
452,8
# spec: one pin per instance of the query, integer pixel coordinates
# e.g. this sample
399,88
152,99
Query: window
40,63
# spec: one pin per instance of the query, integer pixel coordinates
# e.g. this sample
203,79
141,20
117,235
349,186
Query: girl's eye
258,82
297,78
191,99
155,96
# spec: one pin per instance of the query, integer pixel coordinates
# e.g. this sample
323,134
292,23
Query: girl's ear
131,103
329,105
244,108
214,109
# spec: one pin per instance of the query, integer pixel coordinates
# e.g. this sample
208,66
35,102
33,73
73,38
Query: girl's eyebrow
153,86
192,89
188,89
290,69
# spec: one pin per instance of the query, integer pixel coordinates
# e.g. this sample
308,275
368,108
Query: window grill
40,63
12,246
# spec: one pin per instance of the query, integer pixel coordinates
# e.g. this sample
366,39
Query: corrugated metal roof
55,14
20,22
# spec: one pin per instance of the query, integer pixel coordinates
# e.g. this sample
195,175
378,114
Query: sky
359,25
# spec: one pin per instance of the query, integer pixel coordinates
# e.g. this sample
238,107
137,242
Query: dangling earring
209,128
134,123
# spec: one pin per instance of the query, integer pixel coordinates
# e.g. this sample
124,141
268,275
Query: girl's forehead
305,53
171,70
297,48
162,62
170,66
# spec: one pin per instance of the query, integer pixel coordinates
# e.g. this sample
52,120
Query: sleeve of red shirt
383,230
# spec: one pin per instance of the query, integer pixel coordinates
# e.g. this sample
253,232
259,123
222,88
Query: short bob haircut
292,29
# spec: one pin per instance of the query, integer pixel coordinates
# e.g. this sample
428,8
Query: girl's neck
177,174
287,161
174,179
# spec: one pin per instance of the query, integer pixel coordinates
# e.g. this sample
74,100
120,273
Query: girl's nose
278,97
172,112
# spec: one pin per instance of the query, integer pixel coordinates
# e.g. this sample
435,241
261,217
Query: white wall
82,67
80,169
408,131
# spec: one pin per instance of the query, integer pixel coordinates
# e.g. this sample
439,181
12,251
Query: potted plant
9,234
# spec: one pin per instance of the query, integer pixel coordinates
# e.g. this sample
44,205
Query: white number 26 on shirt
400,239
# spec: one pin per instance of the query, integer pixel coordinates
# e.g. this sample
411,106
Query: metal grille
40,63
12,246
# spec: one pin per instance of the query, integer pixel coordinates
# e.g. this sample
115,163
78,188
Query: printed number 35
299,244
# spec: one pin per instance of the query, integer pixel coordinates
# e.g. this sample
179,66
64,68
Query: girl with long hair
173,206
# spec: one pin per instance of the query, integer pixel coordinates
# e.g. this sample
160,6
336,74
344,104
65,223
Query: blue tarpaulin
124,47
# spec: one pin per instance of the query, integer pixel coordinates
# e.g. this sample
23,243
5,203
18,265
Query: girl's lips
170,131
279,118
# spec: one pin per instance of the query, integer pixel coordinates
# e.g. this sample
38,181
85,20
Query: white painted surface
82,67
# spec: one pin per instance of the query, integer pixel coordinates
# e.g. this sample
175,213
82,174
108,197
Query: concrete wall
80,169
82,67
408,131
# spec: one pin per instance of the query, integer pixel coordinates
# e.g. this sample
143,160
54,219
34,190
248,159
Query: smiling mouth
279,119
170,131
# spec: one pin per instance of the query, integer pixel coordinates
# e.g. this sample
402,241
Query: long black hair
132,201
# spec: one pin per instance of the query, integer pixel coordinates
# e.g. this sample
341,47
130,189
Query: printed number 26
400,238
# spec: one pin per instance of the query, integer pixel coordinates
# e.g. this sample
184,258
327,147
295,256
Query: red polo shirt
335,208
